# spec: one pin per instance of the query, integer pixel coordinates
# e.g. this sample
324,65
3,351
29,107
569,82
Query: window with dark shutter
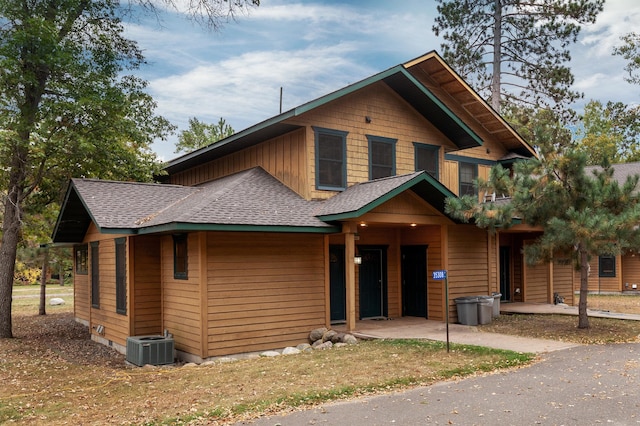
607,266
331,163
382,157
121,275
95,274
180,257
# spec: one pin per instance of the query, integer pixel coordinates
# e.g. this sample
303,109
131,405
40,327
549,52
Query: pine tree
584,214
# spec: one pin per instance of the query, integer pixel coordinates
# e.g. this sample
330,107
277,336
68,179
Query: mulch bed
60,333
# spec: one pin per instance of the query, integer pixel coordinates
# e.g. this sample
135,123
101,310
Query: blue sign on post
440,275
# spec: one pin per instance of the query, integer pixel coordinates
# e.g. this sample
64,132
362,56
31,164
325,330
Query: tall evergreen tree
512,50
630,51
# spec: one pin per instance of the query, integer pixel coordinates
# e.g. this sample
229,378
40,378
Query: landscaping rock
304,347
270,354
350,339
323,346
56,301
317,334
290,351
328,336
337,338
339,345
190,364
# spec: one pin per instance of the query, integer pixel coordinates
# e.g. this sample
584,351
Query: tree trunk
497,56
583,319
61,276
11,228
43,284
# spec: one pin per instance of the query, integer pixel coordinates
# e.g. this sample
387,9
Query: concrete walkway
420,328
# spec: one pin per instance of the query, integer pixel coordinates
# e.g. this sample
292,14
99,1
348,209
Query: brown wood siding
146,289
468,267
265,291
630,272
602,284
116,326
536,283
283,157
181,297
563,279
391,117
450,176
81,291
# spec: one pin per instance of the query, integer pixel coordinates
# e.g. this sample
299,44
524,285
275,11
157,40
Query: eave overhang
396,78
423,185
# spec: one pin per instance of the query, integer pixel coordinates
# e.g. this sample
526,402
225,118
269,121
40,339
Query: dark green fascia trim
423,176
185,227
120,231
472,160
347,90
442,106
230,139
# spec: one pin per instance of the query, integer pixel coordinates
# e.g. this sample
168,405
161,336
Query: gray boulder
328,336
317,334
56,301
350,339
290,351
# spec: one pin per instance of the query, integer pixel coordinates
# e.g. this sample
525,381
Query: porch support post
349,231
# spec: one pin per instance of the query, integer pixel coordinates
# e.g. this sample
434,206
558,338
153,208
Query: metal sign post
442,275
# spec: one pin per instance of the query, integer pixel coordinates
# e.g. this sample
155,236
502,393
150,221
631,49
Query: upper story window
607,266
382,157
427,158
331,159
468,172
180,257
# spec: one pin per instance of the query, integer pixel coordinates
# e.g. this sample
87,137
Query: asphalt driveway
585,385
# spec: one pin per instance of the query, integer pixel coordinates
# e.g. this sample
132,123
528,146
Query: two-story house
330,212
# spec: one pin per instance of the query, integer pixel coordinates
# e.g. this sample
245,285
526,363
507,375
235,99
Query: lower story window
607,266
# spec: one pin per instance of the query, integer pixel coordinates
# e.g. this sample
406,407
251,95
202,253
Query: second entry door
373,283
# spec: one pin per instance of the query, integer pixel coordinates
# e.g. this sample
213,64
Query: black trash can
485,309
467,310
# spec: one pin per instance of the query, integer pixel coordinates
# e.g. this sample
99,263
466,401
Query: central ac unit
153,350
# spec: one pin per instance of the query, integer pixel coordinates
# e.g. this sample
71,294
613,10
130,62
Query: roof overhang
423,185
397,78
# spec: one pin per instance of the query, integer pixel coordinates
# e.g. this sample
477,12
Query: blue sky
311,48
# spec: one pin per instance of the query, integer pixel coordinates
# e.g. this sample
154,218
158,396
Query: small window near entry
468,173
95,274
427,158
121,276
607,266
331,163
81,256
382,157
180,260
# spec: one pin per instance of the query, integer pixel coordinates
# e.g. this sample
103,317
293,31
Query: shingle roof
362,194
620,171
248,200
252,197
120,205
